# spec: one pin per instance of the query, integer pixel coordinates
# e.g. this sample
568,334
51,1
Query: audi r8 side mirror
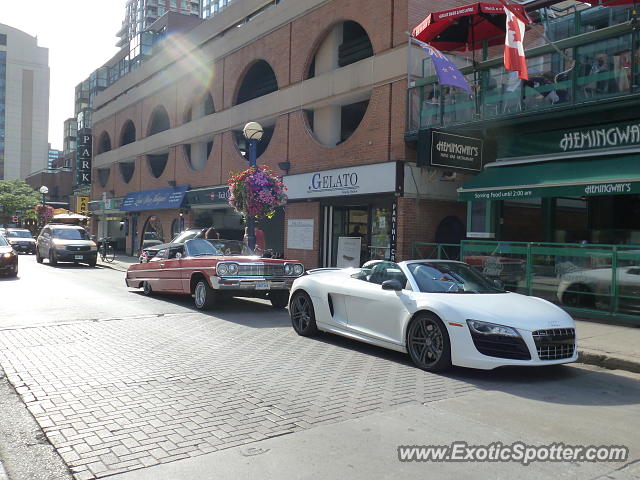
392,285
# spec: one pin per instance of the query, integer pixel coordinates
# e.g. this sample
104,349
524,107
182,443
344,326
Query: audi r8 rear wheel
303,317
204,297
428,343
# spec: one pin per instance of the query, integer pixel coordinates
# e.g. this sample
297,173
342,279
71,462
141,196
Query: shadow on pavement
561,384
254,313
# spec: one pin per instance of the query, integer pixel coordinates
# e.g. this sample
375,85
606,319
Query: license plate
262,285
78,257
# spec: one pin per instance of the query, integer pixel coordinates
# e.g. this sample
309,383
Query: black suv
61,242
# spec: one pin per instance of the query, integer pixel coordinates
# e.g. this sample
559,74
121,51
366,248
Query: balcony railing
596,64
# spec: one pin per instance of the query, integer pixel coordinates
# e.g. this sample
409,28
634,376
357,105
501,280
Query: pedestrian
260,242
211,234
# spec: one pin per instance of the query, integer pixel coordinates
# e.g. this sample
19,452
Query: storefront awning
160,199
556,178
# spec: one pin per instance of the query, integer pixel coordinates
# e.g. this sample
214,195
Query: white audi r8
441,313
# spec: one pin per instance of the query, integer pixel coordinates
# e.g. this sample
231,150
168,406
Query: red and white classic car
210,269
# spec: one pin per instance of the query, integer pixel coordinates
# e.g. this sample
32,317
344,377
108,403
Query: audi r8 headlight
288,268
222,269
298,269
486,328
232,268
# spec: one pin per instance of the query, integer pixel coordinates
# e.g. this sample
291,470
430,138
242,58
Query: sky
80,36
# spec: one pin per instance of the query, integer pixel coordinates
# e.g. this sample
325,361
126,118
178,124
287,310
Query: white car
440,312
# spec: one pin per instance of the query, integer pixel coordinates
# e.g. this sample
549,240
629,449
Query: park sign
604,139
83,158
453,152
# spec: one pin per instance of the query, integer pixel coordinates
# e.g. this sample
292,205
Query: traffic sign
14,219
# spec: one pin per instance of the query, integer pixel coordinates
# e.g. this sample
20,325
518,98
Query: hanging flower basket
256,192
45,212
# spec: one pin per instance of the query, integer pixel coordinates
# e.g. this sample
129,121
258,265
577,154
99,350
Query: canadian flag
513,50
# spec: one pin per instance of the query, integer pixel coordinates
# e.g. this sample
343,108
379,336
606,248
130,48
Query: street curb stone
3,473
611,362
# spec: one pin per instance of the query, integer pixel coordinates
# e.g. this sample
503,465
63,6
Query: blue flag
448,73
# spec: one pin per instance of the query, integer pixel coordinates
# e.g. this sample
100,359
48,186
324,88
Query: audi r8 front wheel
428,343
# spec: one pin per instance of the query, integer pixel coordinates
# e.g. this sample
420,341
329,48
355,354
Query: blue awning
154,199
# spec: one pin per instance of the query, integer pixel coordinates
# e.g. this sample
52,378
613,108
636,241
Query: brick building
327,80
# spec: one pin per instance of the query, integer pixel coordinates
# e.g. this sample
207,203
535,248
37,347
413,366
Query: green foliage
16,195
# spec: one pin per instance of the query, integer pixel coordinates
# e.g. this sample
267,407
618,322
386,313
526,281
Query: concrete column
326,124
327,55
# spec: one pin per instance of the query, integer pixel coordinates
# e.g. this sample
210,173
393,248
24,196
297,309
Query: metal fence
589,278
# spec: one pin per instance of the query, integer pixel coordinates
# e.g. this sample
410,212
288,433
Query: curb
592,357
3,473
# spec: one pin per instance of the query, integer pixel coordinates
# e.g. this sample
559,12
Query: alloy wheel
303,318
428,344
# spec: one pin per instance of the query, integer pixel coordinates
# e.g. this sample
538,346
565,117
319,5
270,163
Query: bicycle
107,253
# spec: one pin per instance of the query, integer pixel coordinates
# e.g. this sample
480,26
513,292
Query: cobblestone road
118,395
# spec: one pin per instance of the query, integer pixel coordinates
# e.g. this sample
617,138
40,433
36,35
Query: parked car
21,240
150,251
211,269
149,239
506,269
592,288
59,242
8,259
440,312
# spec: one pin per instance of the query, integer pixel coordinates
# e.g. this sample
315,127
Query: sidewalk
599,343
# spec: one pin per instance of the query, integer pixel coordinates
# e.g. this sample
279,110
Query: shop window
604,68
261,147
152,233
258,81
128,134
126,170
104,143
175,228
103,176
159,121
157,163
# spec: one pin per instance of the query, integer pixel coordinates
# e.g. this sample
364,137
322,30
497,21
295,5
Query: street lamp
253,133
44,190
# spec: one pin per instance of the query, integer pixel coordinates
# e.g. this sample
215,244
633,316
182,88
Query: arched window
345,43
104,143
128,133
159,121
258,81
197,153
103,176
157,163
335,123
152,233
126,170
201,107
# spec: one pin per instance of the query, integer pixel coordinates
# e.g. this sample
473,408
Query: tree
17,196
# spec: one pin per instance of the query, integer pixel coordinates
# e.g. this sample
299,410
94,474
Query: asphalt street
115,383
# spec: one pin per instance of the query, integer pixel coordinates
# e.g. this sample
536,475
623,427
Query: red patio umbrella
466,26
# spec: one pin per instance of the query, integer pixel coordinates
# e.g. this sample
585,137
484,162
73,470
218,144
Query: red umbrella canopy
465,26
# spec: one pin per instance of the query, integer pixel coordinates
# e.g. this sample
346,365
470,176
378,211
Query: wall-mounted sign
300,233
154,199
441,149
376,178
83,158
563,143
82,205
205,196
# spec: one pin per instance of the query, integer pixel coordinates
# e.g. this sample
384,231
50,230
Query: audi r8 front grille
500,346
260,270
555,343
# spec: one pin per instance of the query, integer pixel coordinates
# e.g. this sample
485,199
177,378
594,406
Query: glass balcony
591,59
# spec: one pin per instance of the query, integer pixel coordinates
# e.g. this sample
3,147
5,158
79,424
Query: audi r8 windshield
450,277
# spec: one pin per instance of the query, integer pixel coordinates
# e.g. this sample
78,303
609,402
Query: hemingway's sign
606,139
455,151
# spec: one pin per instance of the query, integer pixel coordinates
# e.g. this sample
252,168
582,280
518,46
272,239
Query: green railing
590,279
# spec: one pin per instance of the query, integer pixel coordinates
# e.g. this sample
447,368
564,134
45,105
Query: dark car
8,259
21,240
150,251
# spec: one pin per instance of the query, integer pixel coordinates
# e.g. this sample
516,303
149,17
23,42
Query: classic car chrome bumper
251,283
